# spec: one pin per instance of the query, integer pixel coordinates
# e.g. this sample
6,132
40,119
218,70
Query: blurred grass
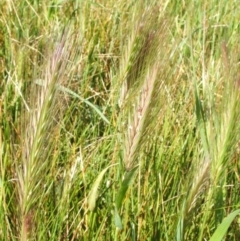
186,147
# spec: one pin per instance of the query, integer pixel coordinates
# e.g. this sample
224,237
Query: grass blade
128,177
66,90
223,227
93,196
117,219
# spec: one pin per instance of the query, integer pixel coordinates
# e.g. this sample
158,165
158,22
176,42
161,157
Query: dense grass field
119,120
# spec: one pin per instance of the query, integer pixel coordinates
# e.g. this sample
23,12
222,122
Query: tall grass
119,120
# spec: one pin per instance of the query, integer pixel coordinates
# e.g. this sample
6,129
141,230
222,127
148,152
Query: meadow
119,120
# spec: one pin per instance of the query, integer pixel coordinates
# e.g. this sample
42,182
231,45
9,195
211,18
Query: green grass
119,120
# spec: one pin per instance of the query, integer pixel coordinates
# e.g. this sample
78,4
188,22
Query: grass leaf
223,227
117,219
66,90
93,196
128,177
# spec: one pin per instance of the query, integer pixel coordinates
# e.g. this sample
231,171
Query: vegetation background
119,120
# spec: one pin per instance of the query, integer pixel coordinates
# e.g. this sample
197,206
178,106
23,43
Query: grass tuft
149,88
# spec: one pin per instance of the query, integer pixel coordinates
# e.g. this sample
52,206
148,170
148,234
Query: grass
119,120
